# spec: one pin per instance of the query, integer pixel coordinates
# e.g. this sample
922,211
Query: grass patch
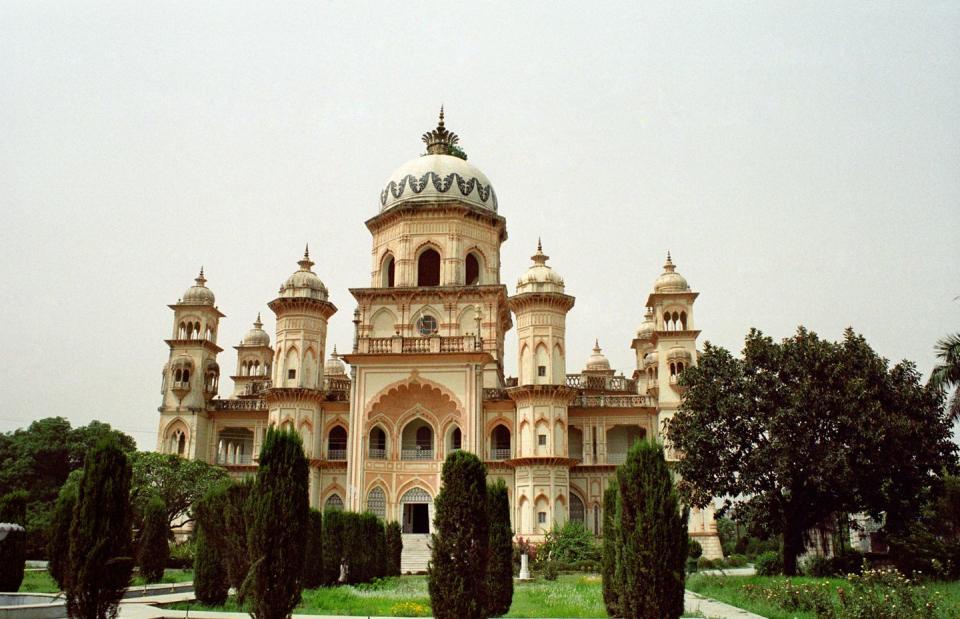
734,590
40,581
571,595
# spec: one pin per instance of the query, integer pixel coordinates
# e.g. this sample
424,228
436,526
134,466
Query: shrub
652,542
500,547
885,594
182,555
611,598
692,565
394,541
458,569
100,560
736,561
154,549
313,555
769,563
333,534
13,549
550,570
569,542
704,563
235,524
210,581
58,550
694,549
278,526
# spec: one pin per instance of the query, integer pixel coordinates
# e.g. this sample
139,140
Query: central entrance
416,511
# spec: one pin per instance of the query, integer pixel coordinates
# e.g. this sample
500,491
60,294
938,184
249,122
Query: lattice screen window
334,502
576,509
377,503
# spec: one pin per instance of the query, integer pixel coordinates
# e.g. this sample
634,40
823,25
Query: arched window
473,270
416,441
576,509
377,503
500,443
337,444
334,503
388,271
378,444
683,321
456,438
424,438
428,268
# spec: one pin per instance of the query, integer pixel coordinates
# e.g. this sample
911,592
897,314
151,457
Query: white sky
800,160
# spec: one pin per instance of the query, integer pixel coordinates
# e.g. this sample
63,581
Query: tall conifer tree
209,566
235,522
313,555
500,562
154,547
610,544
394,543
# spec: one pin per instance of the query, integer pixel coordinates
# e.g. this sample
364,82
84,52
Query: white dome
597,361
648,326
438,176
256,336
334,366
650,359
198,294
670,280
678,353
304,282
540,277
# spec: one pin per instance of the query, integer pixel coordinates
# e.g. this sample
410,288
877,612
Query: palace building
426,370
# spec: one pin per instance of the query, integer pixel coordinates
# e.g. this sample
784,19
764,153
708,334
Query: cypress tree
278,526
58,549
13,549
210,581
378,546
235,517
394,543
458,570
610,544
313,555
333,534
100,561
652,538
154,547
500,562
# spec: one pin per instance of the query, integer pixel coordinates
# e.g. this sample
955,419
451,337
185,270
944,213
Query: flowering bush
409,609
885,594
808,597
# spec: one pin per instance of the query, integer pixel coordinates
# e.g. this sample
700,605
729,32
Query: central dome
438,176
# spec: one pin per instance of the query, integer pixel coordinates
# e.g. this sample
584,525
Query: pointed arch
428,260
383,323
388,270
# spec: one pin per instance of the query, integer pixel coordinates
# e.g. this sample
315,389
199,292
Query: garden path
714,609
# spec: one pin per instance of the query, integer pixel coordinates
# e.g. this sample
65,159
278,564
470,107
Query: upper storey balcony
423,344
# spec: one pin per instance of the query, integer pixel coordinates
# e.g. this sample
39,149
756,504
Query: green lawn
735,590
571,595
41,581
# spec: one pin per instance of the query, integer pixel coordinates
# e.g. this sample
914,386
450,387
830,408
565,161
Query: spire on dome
439,141
669,266
201,280
257,323
305,262
539,257
335,355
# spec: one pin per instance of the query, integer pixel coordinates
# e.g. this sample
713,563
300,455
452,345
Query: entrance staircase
416,553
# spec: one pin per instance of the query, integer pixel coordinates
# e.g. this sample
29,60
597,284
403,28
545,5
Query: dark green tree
100,561
154,546
458,569
652,549
394,542
611,598
235,518
333,546
58,547
210,580
13,549
313,555
278,526
805,429
180,482
946,374
500,546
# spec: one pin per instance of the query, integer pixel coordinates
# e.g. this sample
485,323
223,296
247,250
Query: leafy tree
805,429
652,549
58,549
13,549
457,572
500,562
611,597
100,560
235,519
333,546
39,458
278,526
946,374
568,543
180,482
154,548
210,580
313,556
394,542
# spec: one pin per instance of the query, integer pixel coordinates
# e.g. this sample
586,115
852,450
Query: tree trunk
792,547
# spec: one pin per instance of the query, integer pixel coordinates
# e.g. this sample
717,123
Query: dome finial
669,266
305,262
257,323
539,245
440,140
596,344
335,355
539,257
201,280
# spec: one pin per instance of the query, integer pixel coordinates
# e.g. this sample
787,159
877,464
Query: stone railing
416,454
616,458
429,344
601,383
239,405
245,459
614,401
500,454
493,393
336,454
377,454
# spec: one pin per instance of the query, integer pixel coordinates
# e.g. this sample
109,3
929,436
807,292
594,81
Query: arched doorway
417,505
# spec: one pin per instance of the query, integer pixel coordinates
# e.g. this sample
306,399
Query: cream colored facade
426,370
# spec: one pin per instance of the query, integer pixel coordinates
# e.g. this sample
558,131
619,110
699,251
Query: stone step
416,553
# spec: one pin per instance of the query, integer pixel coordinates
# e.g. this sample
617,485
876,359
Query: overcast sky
801,161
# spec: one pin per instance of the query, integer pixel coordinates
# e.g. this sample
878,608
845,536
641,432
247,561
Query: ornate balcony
418,345
416,454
